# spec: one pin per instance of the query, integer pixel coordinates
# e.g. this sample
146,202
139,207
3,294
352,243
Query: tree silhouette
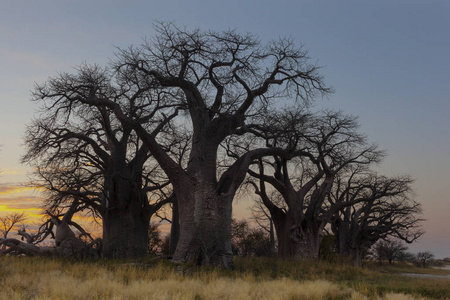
383,208
323,145
219,81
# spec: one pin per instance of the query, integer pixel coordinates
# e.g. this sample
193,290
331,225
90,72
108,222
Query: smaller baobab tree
322,145
382,207
85,152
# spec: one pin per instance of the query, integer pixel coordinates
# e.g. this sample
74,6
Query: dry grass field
252,278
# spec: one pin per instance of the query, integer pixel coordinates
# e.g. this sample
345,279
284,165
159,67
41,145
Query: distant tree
377,253
424,258
383,207
406,257
11,221
393,250
389,250
166,246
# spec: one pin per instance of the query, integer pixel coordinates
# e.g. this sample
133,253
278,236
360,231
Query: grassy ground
252,278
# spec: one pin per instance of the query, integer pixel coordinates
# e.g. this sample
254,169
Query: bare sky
388,62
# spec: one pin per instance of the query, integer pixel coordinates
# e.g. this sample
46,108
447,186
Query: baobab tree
382,207
326,144
86,154
219,81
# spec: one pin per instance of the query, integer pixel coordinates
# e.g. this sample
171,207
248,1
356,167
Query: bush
248,241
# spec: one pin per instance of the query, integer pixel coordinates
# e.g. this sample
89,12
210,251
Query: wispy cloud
32,213
16,198
18,188
13,171
21,202
13,189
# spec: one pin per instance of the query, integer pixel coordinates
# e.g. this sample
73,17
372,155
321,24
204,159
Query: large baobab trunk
307,241
205,227
294,240
126,220
204,215
356,256
347,242
351,254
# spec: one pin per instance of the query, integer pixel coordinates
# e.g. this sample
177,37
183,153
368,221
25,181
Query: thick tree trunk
205,227
294,240
125,233
343,242
126,221
282,229
204,215
307,242
347,243
351,256
356,257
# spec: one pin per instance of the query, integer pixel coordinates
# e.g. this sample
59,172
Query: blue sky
388,62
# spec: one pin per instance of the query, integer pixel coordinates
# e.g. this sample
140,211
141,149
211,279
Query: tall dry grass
37,278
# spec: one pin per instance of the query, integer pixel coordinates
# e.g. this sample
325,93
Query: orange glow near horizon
32,214
18,198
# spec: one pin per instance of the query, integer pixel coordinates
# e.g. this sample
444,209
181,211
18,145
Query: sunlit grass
252,278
